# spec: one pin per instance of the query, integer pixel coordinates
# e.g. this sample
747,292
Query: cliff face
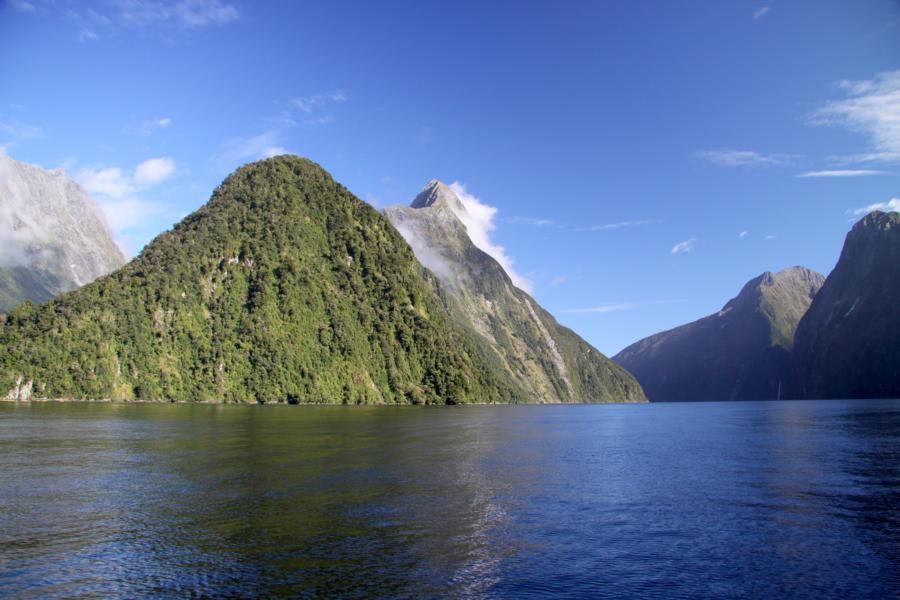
52,235
550,362
848,342
283,287
743,352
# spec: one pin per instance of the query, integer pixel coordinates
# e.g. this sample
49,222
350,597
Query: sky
633,163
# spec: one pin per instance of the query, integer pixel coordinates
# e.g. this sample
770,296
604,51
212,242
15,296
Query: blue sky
626,146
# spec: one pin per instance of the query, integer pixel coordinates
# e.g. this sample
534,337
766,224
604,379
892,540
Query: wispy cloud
728,157
257,147
479,221
15,131
534,222
118,192
760,12
309,104
842,173
743,234
892,205
870,107
685,246
603,308
770,237
92,23
619,225
618,306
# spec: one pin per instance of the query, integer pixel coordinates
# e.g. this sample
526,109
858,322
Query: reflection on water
796,499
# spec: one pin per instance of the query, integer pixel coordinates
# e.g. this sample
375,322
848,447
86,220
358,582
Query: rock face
743,352
848,342
52,236
549,362
283,287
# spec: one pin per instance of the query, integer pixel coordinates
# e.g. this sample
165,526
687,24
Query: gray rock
53,237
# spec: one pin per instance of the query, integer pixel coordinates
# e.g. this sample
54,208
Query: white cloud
842,173
892,205
760,12
87,35
117,192
153,171
769,237
23,5
186,14
257,147
162,123
618,225
871,107
309,104
533,221
479,221
106,182
685,246
728,157
742,235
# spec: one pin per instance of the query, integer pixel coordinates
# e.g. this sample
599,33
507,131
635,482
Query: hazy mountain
284,286
52,235
848,343
549,361
743,352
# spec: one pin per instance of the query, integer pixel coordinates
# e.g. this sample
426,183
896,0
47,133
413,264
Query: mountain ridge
741,352
526,341
53,237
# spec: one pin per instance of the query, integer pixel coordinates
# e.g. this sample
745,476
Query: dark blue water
791,499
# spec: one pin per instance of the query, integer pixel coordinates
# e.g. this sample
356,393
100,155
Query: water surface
762,499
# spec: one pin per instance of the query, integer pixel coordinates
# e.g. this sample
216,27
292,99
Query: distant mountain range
52,235
542,357
285,287
792,334
742,352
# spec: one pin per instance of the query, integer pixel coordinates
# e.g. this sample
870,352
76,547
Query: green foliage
283,287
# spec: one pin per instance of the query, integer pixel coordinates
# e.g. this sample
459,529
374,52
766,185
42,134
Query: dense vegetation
848,342
284,287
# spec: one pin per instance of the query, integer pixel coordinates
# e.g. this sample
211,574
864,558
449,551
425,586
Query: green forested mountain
284,286
848,343
523,340
743,352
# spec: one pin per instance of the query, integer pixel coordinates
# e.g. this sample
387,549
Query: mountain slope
526,342
284,286
848,343
743,352
52,236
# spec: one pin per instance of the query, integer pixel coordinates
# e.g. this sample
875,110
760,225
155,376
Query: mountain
743,352
548,360
848,342
283,287
52,236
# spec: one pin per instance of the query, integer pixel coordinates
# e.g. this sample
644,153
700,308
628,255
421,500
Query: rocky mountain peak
438,194
52,235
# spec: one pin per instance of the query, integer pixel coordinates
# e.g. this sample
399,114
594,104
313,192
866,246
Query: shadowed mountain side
743,352
848,343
